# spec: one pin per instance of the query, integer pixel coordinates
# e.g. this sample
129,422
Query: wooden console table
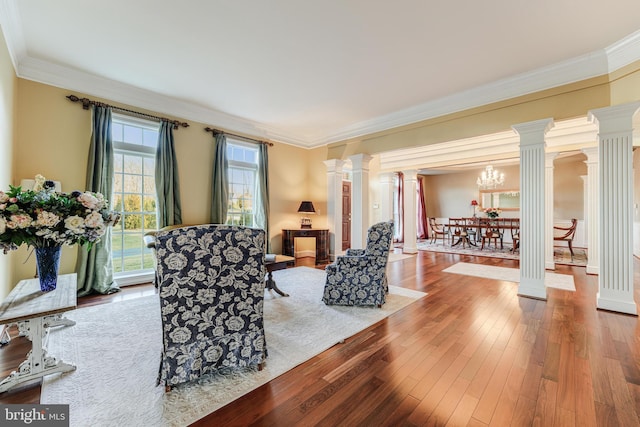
35,312
322,242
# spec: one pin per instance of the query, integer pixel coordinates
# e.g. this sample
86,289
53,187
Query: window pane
117,183
150,137
132,135
250,156
117,202
117,163
132,203
149,185
149,166
132,183
150,222
132,222
149,204
133,164
116,131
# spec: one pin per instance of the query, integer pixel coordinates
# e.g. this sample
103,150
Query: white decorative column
532,205
592,211
615,155
386,181
359,199
334,205
410,217
549,263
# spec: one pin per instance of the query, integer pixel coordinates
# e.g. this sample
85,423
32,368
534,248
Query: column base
532,288
626,307
593,269
550,265
409,250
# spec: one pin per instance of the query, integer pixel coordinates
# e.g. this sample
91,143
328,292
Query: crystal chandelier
490,178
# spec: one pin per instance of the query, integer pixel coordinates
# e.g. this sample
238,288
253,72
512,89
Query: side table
35,312
280,263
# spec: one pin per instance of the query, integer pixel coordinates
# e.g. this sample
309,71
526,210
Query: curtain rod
86,102
245,138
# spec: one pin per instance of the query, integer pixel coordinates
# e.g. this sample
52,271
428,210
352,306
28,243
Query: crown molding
623,52
594,64
12,30
570,71
72,79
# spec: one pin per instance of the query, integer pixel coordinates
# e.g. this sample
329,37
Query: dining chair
566,234
438,230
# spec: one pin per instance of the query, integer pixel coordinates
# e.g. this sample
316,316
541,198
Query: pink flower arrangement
43,217
492,212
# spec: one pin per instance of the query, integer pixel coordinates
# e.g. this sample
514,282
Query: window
134,193
242,173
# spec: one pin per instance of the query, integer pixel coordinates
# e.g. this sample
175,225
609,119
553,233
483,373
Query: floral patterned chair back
359,277
211,286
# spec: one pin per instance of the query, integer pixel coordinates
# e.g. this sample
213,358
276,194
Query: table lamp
306,207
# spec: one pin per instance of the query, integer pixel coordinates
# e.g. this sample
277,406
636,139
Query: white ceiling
311,73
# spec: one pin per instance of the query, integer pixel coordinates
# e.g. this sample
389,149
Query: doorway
346,215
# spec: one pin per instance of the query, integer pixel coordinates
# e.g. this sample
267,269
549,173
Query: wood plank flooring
472,353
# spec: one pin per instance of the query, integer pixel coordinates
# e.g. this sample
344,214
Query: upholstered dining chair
437,230
211,282
360,276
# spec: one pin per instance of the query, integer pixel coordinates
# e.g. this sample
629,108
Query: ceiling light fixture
490,178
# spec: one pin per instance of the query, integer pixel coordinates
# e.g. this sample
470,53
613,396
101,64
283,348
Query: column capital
386,177
549,158
334,165
360,161
535,127
411,174
614,119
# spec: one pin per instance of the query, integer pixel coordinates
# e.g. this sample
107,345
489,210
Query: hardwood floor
472,353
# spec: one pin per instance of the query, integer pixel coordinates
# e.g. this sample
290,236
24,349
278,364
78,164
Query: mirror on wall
507,200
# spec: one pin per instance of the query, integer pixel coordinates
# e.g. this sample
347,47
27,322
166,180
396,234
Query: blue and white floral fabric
211,286
359,277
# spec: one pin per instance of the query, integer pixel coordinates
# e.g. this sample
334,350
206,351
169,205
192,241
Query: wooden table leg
38,362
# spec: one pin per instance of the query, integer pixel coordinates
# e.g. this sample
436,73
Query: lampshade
306,207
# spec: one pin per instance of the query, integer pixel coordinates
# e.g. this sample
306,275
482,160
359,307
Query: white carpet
551,280
116,348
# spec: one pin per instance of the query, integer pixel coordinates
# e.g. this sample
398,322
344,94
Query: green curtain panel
220,182
262,205
95,267
167,184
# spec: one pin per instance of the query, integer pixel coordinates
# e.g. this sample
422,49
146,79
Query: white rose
75,224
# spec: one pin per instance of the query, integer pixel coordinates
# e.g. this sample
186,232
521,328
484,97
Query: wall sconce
306,207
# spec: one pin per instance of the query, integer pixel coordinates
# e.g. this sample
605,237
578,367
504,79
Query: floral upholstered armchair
211,284
359,277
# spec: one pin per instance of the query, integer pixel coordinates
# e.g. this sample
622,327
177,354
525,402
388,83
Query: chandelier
490,178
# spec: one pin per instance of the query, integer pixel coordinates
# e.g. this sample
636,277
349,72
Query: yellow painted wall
53,140
8,100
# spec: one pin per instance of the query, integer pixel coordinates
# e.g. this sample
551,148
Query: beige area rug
116,348
393,257
561,255
551,280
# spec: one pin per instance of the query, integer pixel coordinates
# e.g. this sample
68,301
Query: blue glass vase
48,262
